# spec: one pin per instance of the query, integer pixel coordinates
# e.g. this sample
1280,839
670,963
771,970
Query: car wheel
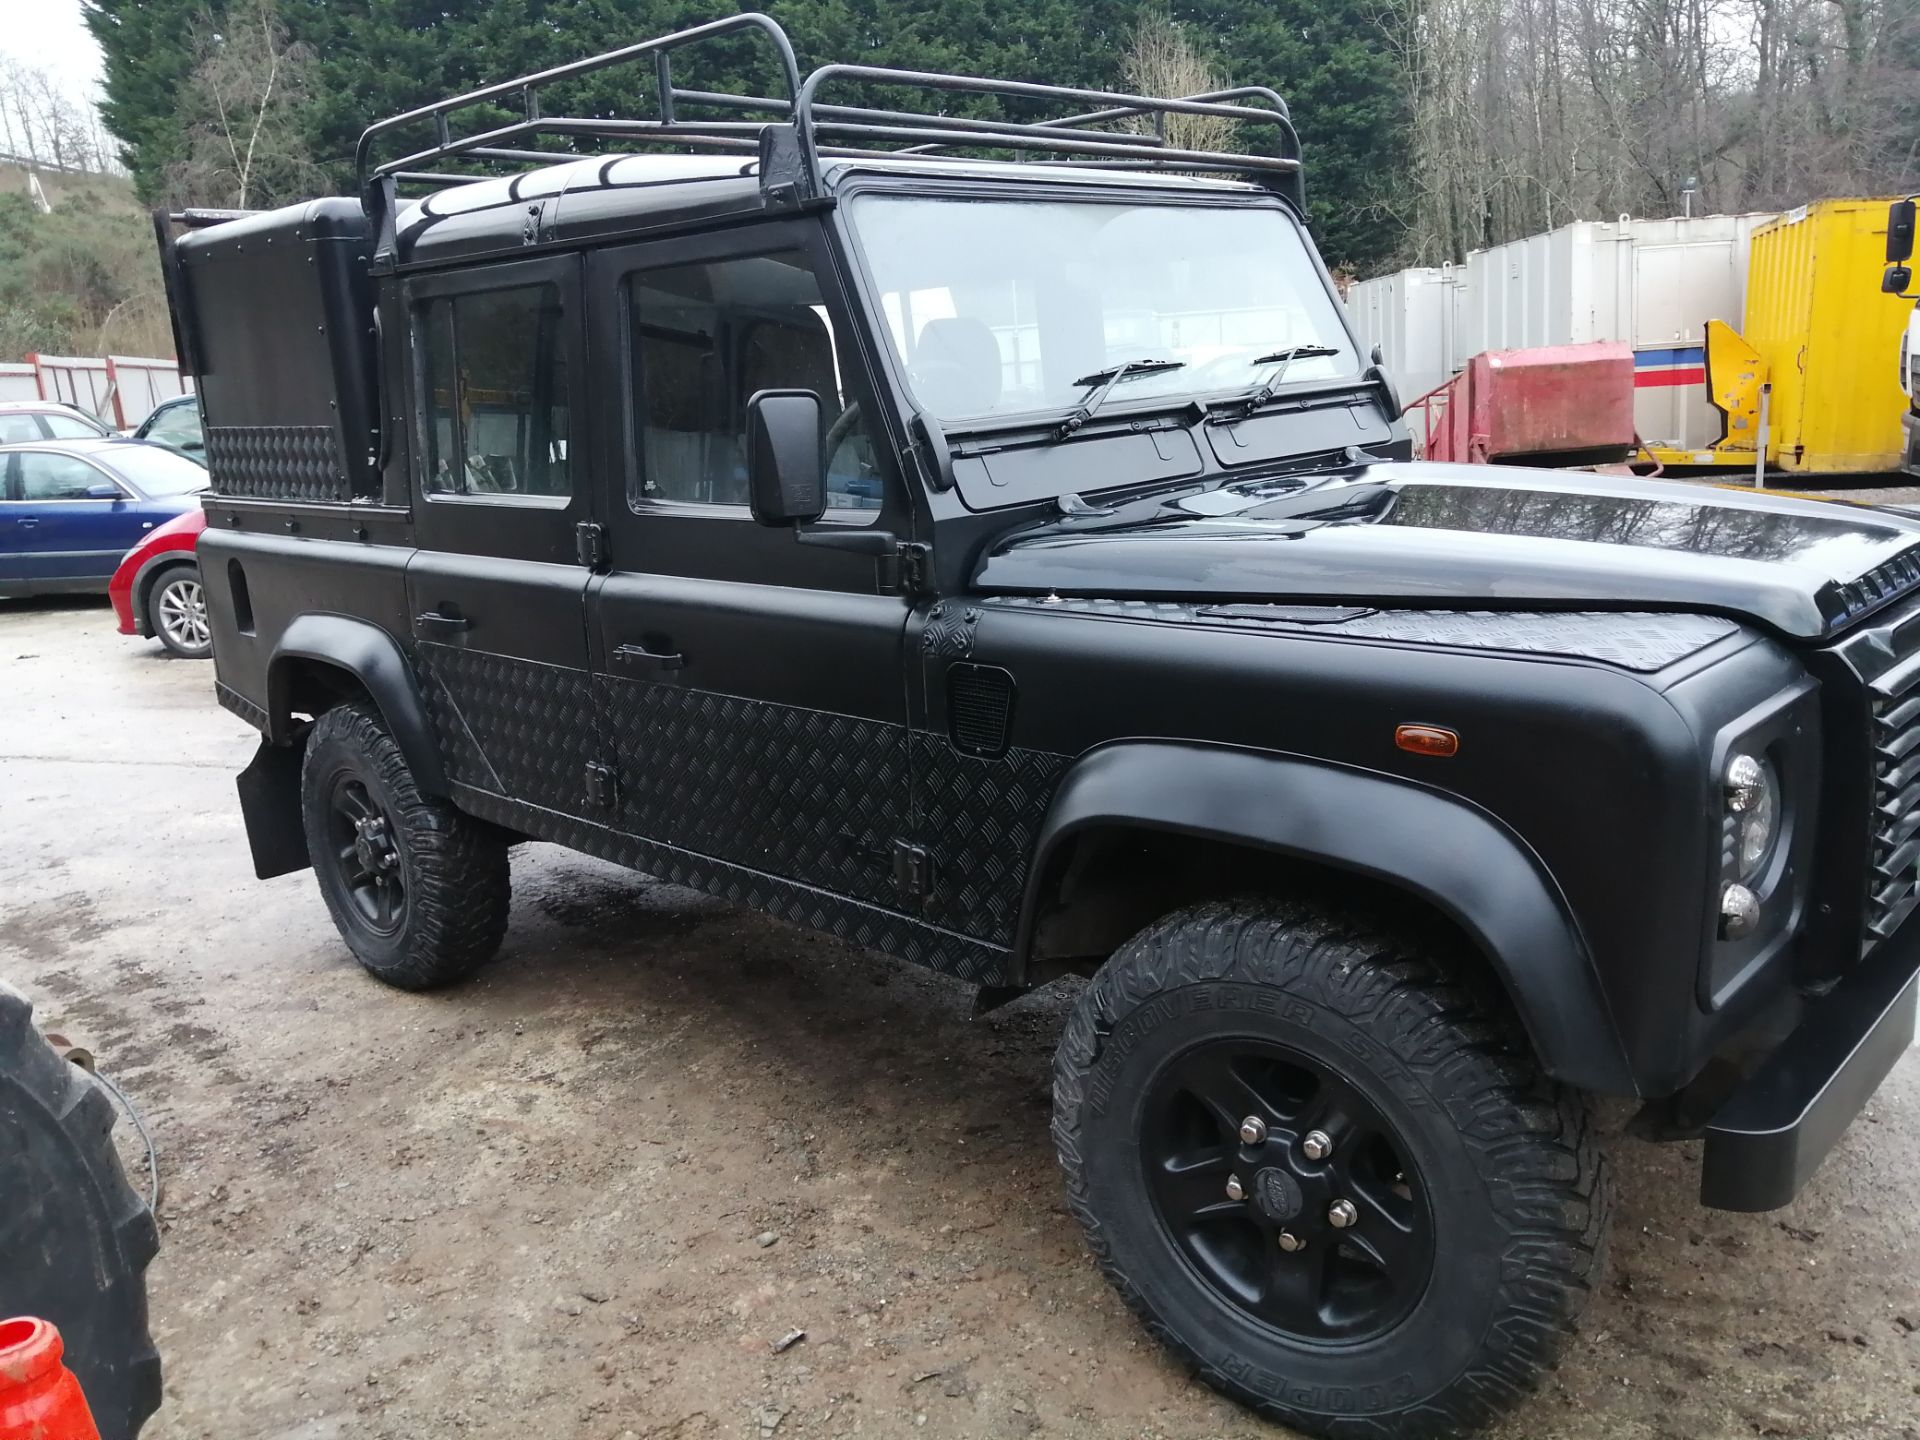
75,1237
177,613
418,890
1325,1173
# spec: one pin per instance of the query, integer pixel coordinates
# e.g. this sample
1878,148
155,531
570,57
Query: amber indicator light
1427,740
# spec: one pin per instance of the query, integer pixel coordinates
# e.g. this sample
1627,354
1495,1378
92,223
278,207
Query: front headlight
1753,806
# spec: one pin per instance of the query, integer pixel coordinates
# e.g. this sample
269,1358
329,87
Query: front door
752,687
497,587
59,527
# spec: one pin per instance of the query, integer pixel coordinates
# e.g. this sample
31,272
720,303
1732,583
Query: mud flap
270,801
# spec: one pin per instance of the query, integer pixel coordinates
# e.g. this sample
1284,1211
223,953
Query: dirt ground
584,1194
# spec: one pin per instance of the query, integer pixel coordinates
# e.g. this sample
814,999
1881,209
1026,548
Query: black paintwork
932,744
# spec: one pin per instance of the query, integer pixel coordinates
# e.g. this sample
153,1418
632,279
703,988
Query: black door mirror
1900,216
1896,280
786,481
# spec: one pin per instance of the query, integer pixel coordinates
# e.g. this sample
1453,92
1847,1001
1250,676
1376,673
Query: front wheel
177,613
1325,1174
418,890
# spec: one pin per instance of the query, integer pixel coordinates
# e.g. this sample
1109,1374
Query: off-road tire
177,577
1518,1188
74,1237
453,867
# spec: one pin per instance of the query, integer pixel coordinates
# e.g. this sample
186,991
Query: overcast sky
51,35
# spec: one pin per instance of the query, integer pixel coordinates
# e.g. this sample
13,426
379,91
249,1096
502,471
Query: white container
1409,315
1651,283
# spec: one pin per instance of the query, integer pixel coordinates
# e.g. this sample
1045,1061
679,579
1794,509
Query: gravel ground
585,1194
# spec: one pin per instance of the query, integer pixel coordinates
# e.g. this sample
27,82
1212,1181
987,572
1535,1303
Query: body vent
979,708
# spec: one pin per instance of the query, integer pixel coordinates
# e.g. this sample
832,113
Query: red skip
39,1398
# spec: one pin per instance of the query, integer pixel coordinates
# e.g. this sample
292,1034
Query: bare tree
1162,62
240,111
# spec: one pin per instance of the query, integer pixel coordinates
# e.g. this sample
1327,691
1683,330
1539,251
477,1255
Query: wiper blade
1280,360
1103,382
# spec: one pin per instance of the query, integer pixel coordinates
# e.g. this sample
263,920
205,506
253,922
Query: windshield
1001,307
155,470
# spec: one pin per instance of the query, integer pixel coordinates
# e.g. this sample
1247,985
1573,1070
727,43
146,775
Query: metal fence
120,390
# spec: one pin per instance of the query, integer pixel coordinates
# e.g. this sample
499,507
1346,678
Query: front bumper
1771,1134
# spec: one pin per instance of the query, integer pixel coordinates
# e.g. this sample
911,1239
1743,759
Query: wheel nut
1291,1242
1318,1145
1341,1214
1235,1190
1253,1130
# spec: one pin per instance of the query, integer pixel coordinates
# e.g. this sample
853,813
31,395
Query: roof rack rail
786,133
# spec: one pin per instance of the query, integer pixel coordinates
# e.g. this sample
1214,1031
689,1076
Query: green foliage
378,57
83,279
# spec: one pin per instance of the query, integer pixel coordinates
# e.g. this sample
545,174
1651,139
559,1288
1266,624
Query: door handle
28,522
432,622
638,657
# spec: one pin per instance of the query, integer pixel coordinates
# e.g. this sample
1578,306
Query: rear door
61,533
497,586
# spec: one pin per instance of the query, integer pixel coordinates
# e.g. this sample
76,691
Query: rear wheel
177,613
74,1238
418,890
1326,1175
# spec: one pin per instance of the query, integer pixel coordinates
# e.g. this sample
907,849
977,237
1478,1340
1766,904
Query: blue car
69,509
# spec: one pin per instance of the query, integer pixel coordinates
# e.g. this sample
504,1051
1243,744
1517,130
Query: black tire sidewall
160,583
332,758
1446,1333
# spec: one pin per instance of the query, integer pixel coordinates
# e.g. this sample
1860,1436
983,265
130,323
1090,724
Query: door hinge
912,871
909,569
603,791
590,544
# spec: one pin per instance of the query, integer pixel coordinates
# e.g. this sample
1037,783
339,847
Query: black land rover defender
980,539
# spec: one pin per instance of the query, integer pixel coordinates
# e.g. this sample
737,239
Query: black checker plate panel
1633,640
807,794
850,920
276,462
979,819
513,727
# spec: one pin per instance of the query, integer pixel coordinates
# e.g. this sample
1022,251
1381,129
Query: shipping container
1827,334
1652,284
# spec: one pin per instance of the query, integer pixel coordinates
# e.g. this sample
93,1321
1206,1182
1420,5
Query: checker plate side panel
514,727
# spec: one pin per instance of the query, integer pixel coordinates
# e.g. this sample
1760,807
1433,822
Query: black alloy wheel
1286,1190
368,856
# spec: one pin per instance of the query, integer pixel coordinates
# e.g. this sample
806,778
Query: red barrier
1559,404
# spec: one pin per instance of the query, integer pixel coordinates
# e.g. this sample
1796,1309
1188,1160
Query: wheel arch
1437,853
320,660
148,575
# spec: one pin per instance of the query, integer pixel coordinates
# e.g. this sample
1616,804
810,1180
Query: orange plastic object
39,1398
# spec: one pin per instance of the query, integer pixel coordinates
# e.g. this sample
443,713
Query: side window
56,477
18,427
705,338
69,427
495,372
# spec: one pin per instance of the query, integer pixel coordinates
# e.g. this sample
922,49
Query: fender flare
374,658
141,591
1447,852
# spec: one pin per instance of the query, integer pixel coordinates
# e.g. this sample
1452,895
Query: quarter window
496,393
705,339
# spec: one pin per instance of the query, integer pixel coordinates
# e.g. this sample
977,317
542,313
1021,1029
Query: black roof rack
791,135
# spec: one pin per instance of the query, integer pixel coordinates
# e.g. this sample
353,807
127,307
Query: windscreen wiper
1280,360
1103,382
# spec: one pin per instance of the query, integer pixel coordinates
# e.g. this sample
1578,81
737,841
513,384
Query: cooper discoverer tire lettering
1325,1172
418,890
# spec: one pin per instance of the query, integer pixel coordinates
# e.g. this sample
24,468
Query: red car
156,590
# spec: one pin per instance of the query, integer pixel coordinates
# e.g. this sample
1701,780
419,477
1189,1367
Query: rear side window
70,427
495,374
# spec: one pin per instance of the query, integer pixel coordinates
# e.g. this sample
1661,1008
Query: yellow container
1830,338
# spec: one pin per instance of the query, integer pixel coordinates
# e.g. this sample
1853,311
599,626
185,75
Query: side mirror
1900,217
105,490
1896,280
786,477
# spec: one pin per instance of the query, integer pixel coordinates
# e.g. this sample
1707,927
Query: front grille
1893,884
1886,580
